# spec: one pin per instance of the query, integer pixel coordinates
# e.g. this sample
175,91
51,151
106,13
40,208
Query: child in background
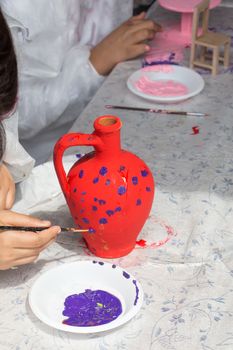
16,248
65,49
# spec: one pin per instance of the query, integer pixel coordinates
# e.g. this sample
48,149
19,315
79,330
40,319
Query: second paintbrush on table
159,111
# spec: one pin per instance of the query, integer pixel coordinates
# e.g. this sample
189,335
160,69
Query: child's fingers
145,24
12,218
10,198
138,50
24,261
32,240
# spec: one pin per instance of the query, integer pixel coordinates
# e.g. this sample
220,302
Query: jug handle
65,142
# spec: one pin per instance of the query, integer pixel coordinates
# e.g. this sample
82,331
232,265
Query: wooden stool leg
202,54
192,55
215,60
226,61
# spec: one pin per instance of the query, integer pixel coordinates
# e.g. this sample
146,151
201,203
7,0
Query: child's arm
126,42
7,188
19,248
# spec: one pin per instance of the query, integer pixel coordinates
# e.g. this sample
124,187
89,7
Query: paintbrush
37,229
159,111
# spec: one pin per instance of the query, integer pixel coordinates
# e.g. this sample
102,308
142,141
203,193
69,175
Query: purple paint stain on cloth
91,308
103,171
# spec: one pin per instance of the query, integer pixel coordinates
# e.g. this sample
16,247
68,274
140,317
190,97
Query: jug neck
107,128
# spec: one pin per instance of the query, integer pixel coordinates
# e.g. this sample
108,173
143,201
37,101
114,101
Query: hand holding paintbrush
21,241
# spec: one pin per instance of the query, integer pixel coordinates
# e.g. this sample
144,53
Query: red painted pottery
109,191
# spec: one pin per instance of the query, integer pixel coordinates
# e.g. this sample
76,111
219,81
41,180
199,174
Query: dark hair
8,76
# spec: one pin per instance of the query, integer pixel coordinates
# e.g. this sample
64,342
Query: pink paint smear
165,88
169,230
195,130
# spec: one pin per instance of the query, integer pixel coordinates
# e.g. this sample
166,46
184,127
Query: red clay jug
109,191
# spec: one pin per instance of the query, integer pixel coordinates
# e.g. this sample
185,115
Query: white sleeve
15,157
43,100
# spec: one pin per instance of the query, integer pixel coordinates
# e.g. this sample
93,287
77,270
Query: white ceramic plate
186,76
48,293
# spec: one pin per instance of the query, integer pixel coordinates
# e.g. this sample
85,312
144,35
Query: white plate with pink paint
165,83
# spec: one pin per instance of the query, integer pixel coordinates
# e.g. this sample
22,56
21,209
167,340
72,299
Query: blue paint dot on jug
85,220
138,202
91,230
144,173
148,189
95,180
103,171
118,209
134,180
78,155
101,263
83,193
122,167
121,190
75,190
107,182
94,208
103,221
109,212
95,199
102,202
81,174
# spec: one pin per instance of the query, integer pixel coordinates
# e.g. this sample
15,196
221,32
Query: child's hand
126,42
7,188
21,247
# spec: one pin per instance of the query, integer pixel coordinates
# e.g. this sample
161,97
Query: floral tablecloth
188,281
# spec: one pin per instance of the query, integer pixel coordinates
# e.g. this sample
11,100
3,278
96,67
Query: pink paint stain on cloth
165,88
195,130
169,232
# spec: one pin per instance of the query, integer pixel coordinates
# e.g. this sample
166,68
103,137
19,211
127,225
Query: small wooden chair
205,39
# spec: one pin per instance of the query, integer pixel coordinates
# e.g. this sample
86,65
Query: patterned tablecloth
188,282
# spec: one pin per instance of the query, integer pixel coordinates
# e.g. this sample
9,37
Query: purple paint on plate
137,292
91,308
126,275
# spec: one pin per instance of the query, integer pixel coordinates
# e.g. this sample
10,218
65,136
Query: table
186,8
188,282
